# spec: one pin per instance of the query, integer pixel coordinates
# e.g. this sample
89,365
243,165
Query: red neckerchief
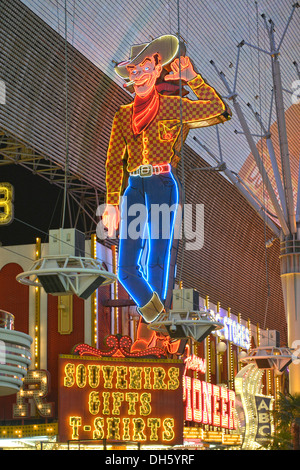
144,111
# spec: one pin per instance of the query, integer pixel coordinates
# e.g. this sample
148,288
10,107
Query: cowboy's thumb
173,76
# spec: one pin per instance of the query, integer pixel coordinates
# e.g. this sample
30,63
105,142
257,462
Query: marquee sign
120,399
263,418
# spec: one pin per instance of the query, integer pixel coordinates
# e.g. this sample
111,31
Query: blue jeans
147,246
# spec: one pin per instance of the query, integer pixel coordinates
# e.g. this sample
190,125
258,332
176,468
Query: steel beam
258,207
270,147
233,96
281,123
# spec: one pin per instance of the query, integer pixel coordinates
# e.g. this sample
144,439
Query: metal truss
283,204
281,196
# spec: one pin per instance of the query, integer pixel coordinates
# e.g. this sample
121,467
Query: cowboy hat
166,46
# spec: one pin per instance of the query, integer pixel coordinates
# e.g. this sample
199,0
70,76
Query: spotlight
269,357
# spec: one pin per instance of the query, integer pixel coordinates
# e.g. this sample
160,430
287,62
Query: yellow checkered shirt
160,142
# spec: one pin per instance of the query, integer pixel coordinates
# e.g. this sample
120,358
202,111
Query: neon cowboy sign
142,157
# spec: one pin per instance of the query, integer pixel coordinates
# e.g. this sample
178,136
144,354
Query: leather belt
149,170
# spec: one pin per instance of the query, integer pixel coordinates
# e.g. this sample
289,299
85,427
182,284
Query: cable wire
181,147
67,117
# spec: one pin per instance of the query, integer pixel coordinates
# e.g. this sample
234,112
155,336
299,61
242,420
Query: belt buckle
146,170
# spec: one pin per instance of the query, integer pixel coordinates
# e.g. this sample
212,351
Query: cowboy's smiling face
144,75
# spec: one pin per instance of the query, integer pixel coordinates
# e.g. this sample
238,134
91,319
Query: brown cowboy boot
152,309
144,337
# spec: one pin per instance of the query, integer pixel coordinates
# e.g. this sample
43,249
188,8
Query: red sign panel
120,399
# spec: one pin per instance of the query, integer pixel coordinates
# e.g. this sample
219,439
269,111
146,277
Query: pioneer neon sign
206,403
120,400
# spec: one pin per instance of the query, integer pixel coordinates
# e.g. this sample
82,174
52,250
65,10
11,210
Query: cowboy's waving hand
186,73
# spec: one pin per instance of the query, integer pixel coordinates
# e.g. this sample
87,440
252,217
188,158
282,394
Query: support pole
243,191
298,197
255,153
281,123
290,279
270,147
290,246
283,143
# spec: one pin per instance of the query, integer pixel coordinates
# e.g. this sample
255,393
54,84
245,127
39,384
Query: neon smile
142,81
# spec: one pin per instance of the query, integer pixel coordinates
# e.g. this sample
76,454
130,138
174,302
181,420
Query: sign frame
121,399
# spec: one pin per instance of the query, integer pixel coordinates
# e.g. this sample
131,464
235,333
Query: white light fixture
179,324
62,272
242,355
270,357
221,347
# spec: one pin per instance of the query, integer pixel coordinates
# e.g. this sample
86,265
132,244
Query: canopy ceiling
100,32
104,31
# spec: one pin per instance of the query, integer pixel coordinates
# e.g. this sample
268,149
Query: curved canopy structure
15,355
105,31
102,33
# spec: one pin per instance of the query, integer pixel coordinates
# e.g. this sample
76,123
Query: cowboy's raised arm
209,109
